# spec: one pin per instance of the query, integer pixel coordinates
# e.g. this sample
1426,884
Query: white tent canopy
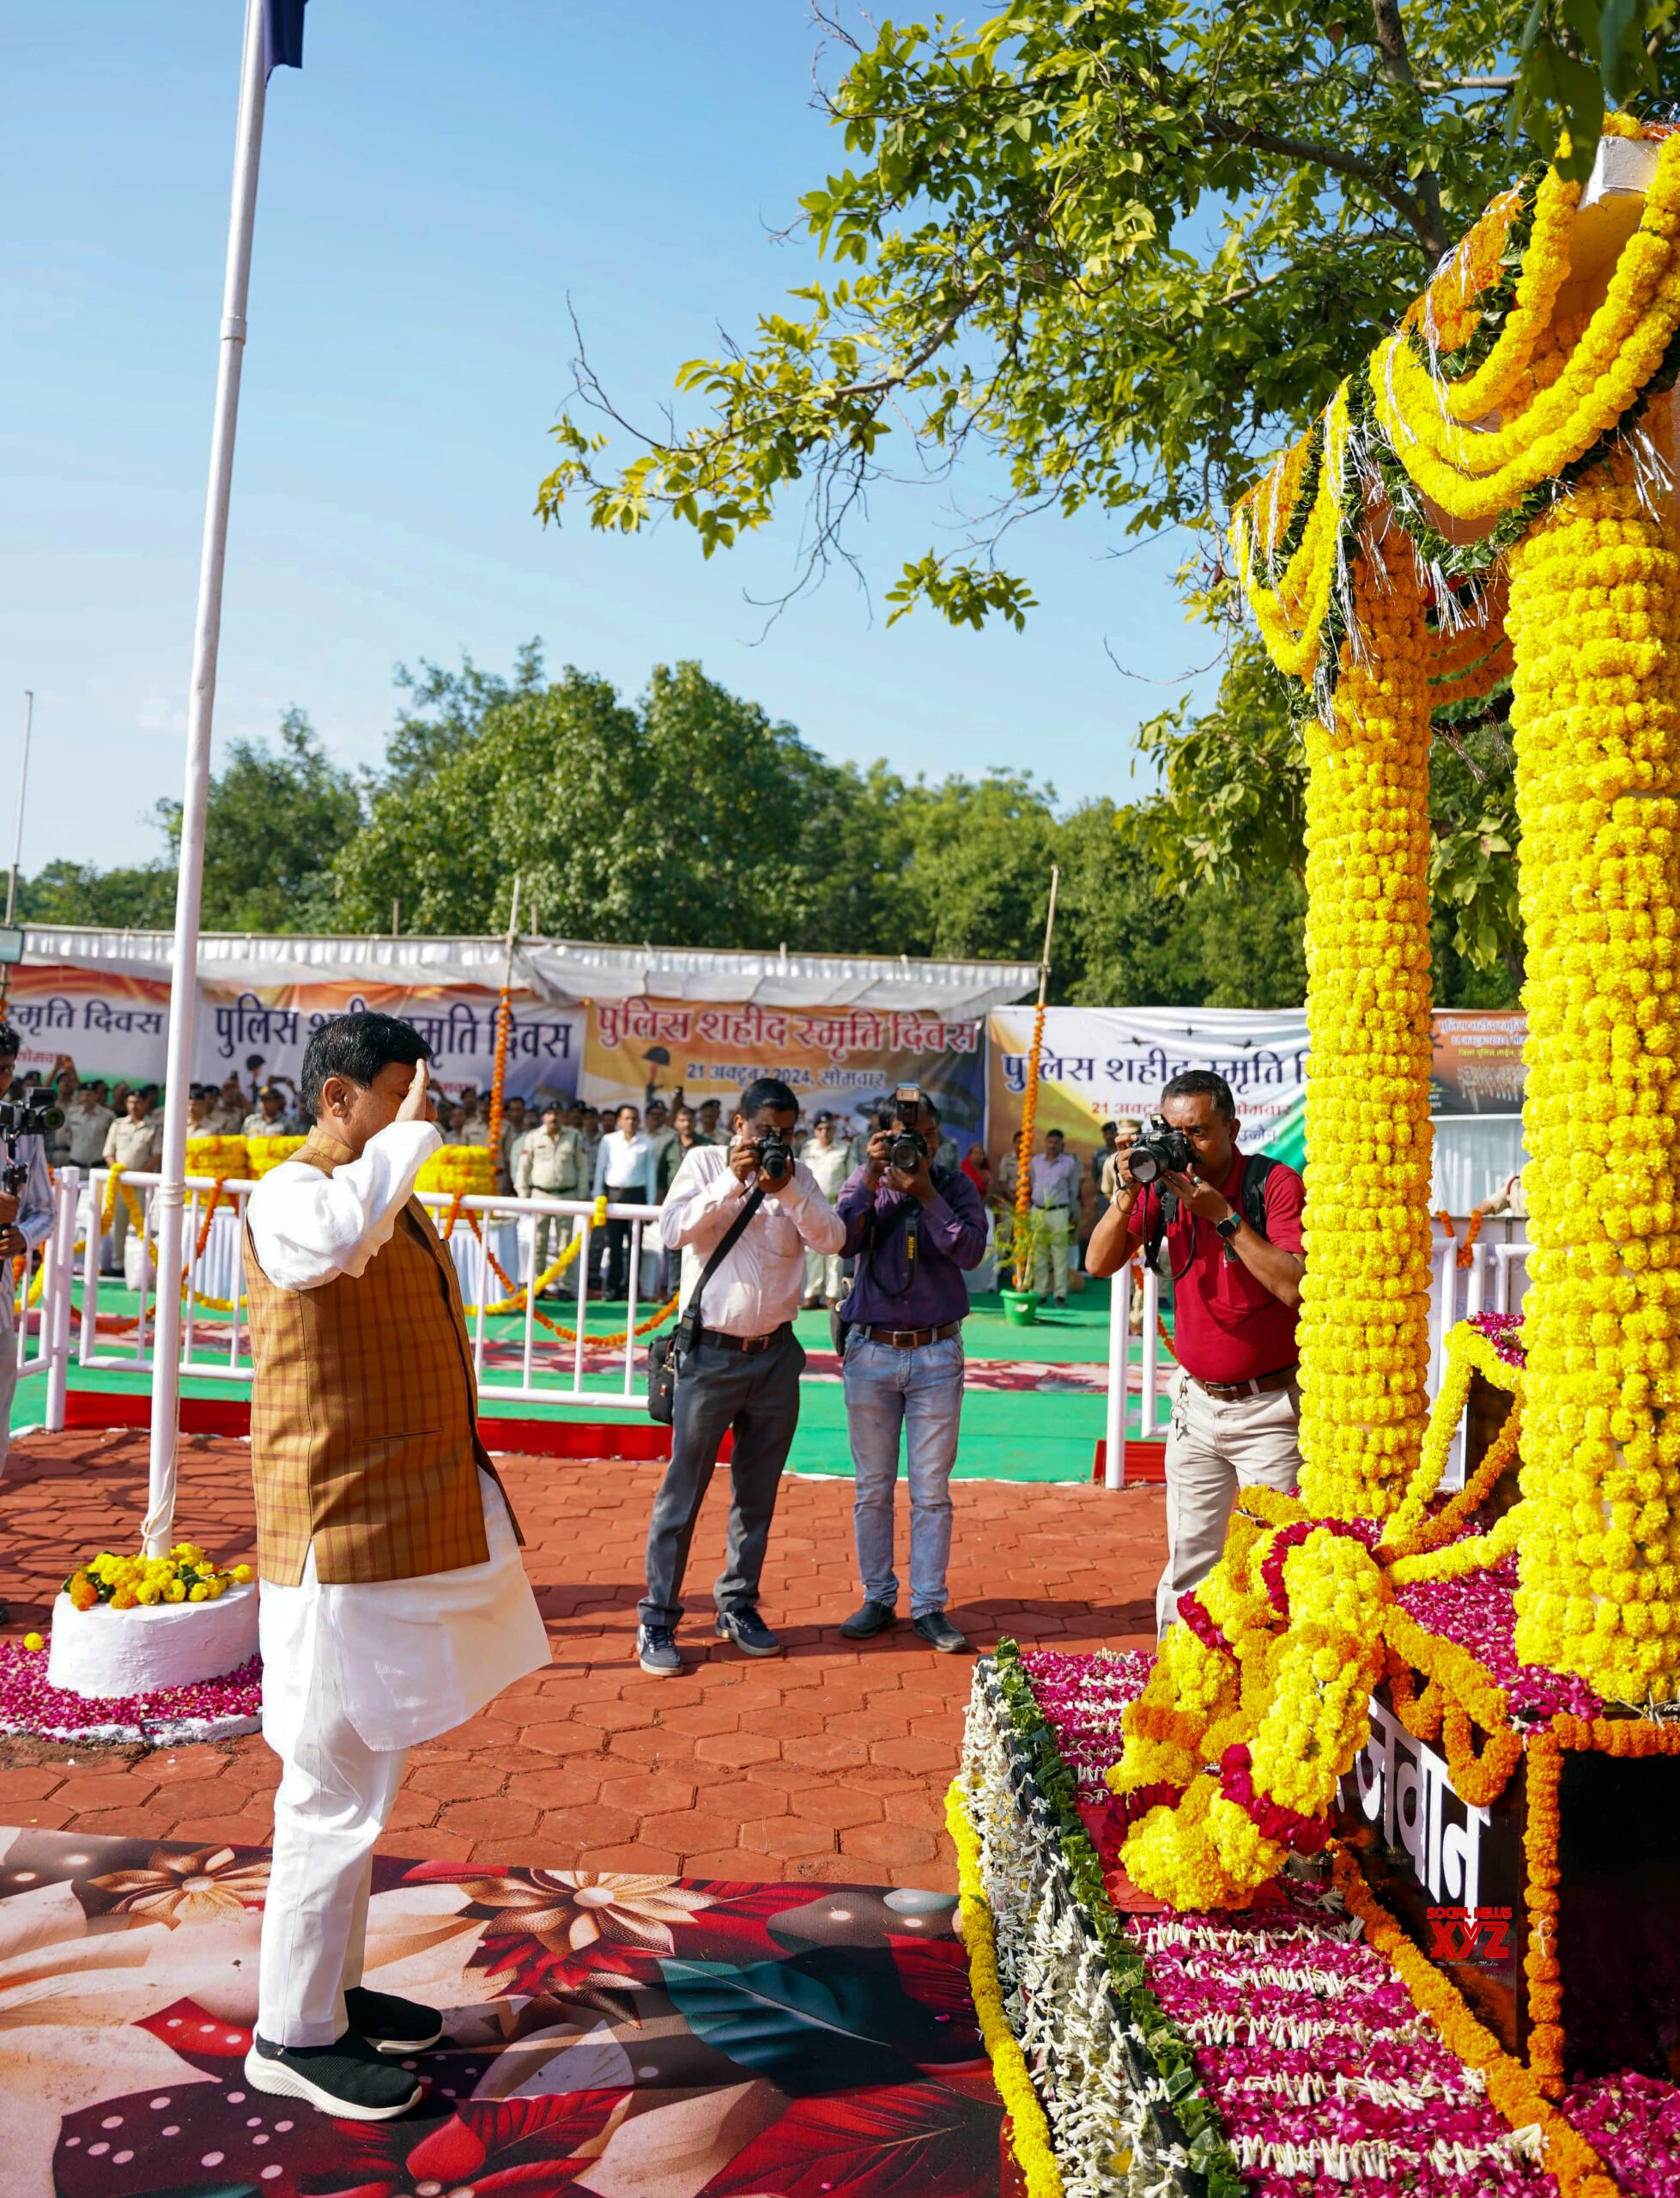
564,971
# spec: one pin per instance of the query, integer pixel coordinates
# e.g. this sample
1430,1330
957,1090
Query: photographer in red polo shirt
1236,1397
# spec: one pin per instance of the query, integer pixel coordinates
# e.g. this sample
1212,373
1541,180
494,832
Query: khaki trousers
1051,1263
1215,1446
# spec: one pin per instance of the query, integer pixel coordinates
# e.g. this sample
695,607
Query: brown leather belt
1262,1385
745,1343
910,1338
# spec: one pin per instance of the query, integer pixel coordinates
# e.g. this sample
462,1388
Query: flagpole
168,1206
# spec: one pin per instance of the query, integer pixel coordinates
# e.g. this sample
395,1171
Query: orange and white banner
263,1032
838,1060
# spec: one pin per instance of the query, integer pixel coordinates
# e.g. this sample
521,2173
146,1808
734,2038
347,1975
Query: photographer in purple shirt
913,1230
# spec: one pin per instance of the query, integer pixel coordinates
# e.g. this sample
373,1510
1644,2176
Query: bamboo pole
1029,1104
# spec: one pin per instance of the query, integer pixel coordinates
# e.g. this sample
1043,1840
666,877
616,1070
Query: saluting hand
417,1105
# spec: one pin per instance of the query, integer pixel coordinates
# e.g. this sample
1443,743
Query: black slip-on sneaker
347,2079
391,2025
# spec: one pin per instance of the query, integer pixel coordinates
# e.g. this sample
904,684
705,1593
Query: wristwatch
1230,1226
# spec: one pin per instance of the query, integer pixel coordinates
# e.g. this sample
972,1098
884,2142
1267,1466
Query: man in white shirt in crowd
87,1122
626,1174
394,1602
134,1143
270,1117
743,1372
1057,1182
828,1162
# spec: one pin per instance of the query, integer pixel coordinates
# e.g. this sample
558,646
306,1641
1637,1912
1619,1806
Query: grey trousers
757,1394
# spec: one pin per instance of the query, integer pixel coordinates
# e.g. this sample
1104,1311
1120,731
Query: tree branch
1397,67
1413,208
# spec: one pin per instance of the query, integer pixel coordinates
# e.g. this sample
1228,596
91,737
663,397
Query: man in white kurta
355,1674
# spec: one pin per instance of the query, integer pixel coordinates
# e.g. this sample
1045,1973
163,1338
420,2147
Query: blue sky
437,183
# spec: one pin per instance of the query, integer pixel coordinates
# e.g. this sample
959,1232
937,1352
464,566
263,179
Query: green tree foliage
1231,814
139,895
276,820
1114,251
689,818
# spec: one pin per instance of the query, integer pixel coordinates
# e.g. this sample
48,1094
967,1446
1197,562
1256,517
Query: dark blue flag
283,35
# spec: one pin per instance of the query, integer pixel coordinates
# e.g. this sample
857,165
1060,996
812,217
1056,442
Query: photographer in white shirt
743,1373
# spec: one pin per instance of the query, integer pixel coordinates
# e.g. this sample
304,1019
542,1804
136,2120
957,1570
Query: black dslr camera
908,1144
1159,1151
35,1114
775,1158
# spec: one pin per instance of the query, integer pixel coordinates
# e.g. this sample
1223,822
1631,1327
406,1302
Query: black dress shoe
347,2079
935,1627
748,1631
391,2025
874,1618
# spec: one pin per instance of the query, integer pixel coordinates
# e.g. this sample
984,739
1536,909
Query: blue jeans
919,1393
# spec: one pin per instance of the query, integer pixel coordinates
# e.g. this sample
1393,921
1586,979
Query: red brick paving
828,1764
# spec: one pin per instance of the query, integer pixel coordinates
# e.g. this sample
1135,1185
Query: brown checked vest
364,1437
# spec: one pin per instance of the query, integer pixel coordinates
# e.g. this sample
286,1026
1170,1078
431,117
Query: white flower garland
1101,2094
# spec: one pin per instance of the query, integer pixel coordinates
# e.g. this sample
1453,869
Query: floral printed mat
633,2037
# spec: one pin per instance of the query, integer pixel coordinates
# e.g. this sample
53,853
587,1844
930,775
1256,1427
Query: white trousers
822,1275
1215,1446
336,1796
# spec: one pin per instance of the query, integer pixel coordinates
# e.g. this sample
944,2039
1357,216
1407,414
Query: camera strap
1251,1205
688,1330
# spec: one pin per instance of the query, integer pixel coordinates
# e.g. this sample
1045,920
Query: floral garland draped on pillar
1595,614
1365,1299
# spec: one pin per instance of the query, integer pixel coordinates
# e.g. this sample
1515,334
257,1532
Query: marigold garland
1023,1181
1292,613
1476,475
1469,1352
1541,1826
1595,610
1364,1310
1580,2173
1029,2130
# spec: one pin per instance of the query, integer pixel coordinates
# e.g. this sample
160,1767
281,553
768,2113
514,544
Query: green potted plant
1021,1239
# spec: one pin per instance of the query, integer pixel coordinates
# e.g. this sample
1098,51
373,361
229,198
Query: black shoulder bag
666,1354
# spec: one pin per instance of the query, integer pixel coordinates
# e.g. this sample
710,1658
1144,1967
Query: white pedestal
105,1653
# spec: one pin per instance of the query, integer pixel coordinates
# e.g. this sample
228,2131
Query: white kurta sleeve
307,1227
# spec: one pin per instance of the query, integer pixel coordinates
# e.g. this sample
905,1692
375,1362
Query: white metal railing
44,1315
1494,1280
216,1338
